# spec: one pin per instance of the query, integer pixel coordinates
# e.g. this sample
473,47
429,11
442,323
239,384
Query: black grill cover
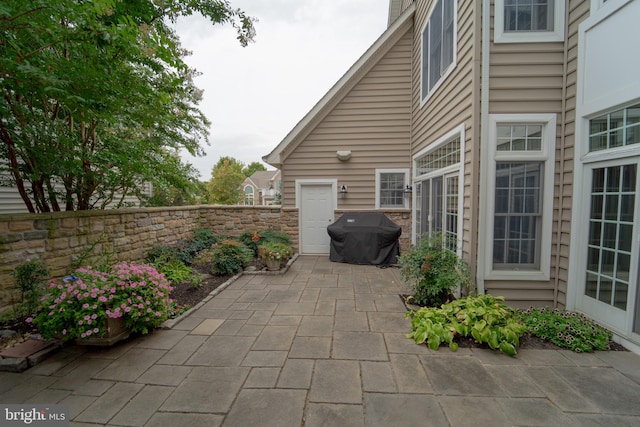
364,238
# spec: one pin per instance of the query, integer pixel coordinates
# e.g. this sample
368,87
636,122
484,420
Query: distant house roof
357,71
261,179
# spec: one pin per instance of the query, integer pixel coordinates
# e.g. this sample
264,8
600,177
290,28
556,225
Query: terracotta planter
117,331
273,264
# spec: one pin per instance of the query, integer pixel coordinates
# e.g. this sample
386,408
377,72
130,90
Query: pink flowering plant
79,305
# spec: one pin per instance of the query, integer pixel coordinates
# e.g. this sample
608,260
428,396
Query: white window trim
455,52
500,36
456,132
405,200
585,111
487,193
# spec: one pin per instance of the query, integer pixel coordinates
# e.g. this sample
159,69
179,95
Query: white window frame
487,192
451,66
458,132
247,194
555,35
405,200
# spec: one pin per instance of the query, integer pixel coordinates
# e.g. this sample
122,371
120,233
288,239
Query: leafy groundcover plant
566,329
79,305
484,317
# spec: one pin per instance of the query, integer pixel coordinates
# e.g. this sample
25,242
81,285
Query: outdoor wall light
343,191
343,155
408,189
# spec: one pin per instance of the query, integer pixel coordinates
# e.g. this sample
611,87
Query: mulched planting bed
527,341
186,294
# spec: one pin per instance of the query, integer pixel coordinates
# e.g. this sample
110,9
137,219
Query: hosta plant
79,305
484,317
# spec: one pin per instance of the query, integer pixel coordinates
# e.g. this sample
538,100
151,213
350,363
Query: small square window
528,21
390,186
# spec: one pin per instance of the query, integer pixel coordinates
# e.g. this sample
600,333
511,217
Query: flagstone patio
323,344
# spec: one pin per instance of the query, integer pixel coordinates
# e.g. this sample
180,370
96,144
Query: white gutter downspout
563,132
484,139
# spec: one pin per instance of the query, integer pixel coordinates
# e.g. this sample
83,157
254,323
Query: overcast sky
255,95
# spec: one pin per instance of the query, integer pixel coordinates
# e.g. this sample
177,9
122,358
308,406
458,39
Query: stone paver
336,381
322,345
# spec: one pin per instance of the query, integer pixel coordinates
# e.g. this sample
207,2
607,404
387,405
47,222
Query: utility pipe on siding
563,127
484,132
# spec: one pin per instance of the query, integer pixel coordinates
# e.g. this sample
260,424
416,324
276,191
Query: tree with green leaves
226,177
96,99
252,168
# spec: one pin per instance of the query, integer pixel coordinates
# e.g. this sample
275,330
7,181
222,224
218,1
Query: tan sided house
261,188
512,127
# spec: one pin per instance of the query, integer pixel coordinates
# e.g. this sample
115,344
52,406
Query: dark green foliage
189,249
225,258
97,98
30,277
161,253
484,317
566,329
433,272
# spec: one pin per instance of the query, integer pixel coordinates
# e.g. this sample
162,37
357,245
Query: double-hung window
390,186
524,21
438,45
520,196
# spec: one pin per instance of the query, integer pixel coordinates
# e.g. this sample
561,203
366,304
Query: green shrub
432,272
177,272
161,254
202,240
484,317
30,276
566,329
165,259
227,257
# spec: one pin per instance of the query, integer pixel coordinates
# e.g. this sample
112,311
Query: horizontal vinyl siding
372,121
451,105
528,78
521,294
10,201
578,11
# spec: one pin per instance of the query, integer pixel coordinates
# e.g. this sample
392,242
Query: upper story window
615,129
438,46
525,21
390,186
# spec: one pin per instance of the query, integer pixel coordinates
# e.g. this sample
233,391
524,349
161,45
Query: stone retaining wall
61,238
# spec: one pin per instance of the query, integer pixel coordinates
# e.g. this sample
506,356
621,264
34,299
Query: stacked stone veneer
59,239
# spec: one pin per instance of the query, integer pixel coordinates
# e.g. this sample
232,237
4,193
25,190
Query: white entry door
316,213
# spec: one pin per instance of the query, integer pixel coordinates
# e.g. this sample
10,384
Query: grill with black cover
364,238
